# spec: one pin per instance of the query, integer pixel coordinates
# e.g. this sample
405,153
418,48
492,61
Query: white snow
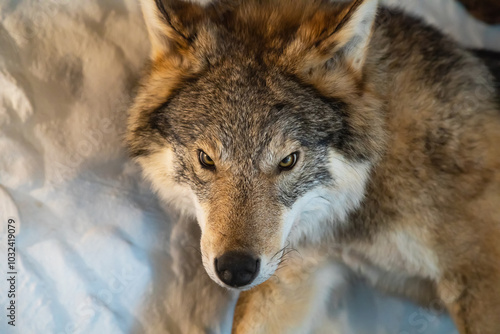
97,252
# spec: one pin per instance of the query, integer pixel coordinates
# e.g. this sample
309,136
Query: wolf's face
236,125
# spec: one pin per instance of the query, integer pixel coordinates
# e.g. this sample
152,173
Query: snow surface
96,251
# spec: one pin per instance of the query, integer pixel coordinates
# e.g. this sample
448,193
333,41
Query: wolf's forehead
238,105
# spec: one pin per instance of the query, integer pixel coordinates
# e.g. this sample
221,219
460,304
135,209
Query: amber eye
288,162
205,160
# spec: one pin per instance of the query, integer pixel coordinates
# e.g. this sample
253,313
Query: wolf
343,130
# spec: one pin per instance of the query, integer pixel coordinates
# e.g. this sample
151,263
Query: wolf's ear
343,36
171,24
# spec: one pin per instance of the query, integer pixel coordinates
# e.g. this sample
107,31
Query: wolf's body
395,135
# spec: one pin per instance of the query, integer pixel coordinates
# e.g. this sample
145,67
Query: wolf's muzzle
237,269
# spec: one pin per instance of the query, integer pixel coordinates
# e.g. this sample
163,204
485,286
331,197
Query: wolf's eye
288,162
205,160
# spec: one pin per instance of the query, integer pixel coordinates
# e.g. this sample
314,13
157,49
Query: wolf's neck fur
429,86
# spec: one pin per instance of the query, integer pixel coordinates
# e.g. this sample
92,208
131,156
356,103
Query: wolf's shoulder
408,48
408,32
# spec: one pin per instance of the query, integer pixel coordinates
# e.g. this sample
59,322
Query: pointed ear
343,35
355,30
171,24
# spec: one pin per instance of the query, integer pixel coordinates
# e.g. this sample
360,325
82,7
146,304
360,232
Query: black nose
237,269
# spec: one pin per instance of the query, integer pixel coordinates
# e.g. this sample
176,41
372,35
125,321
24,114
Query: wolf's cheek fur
327,204
159,169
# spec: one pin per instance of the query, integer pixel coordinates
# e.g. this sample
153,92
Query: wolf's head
256,119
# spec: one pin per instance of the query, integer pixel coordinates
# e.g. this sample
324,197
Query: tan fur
292,302
240,234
